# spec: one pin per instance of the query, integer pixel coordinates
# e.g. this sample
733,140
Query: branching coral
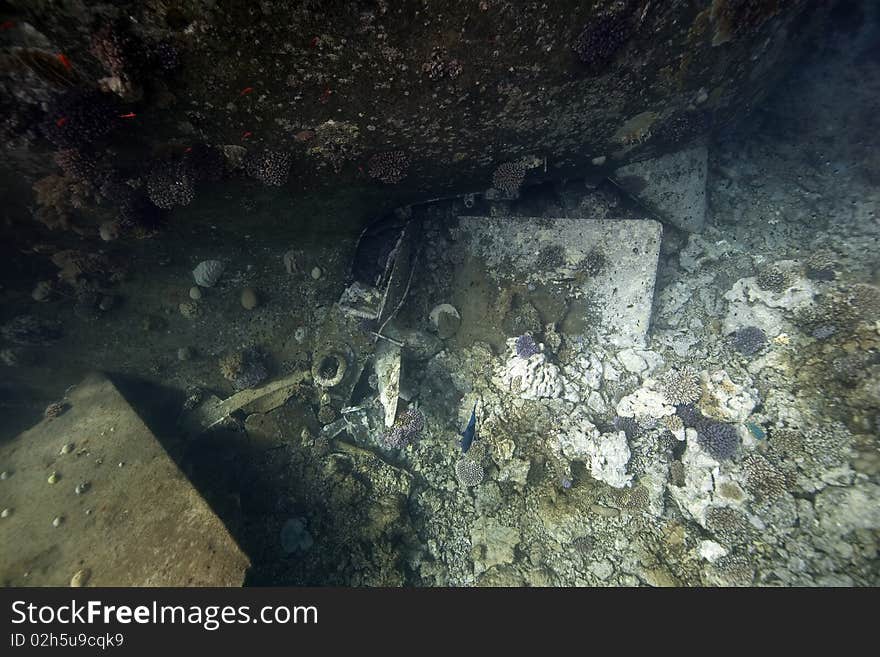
749,340
270,167
406,429
763,480
681,386
719,439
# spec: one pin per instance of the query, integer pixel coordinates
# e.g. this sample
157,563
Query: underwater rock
43,291
726,400
195,293
190,310
535,378
446,319
494,542
295,537
616,304
31,331
80,578
208,272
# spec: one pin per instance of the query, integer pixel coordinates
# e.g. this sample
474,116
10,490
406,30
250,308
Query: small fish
325,96
65,62
61,121
7,25
130,115
314,42
246,134
188,150
470,432
245,91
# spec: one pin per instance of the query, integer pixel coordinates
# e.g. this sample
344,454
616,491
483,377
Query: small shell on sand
208,272
80,577
316,273
42,291
249,298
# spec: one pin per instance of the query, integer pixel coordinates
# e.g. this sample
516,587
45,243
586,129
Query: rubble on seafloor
652,406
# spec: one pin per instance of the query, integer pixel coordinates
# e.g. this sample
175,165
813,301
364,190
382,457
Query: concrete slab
607,268
134,521
673,186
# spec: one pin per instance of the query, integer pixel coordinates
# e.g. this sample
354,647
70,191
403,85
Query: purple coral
720,439
526,346
406,429
749,340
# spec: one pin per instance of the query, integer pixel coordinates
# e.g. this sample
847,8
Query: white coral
645,402
609,455
726,400
208,272
535,378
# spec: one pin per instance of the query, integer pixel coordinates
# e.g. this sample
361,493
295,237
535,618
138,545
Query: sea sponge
598,43
389,167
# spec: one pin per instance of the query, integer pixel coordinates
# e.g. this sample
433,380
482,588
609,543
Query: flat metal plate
139,523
